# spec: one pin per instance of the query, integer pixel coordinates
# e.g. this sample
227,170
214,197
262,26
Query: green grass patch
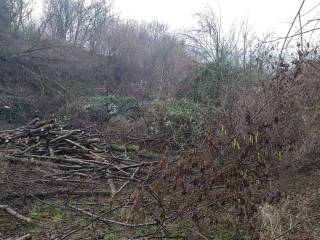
53,214
110,236
223,233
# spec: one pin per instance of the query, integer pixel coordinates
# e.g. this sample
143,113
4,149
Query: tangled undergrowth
251,173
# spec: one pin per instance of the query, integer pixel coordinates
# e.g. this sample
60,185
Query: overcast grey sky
263,15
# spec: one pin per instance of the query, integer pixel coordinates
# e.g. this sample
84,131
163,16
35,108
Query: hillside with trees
111,128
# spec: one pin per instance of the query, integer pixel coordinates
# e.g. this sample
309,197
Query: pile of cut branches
41,161
70,154
44,138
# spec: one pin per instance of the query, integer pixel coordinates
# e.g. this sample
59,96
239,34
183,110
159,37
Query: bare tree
209,41
206,39
100,19
5,20
79,21
59,16
146,57
15,15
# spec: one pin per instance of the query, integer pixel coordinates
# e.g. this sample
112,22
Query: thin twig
25,237
285,39
15,214
88,224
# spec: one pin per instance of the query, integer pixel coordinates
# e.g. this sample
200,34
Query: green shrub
113,105
181,115
100,108
177,111
209,80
